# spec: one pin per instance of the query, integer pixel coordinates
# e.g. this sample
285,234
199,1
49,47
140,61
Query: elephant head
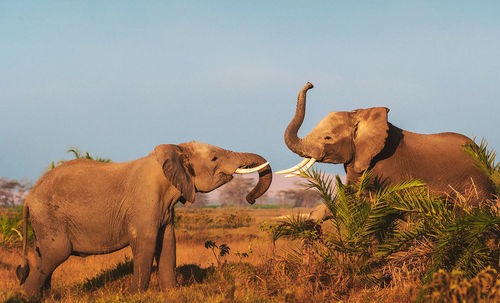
354,137
199,167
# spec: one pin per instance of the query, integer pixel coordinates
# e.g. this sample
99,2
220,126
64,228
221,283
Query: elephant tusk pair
299,168
250,170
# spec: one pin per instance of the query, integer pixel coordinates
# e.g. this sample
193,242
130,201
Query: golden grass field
69,278
283,272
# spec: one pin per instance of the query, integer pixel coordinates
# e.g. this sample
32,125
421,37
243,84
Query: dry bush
208,218
454,287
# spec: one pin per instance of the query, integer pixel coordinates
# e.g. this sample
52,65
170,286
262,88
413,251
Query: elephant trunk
296,144
248,160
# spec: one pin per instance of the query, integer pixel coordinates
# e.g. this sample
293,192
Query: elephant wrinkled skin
363,139
84,207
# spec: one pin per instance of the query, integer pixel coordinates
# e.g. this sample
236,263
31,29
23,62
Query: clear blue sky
117,78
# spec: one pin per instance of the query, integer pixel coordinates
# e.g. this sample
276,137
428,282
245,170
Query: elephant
84,207
363,139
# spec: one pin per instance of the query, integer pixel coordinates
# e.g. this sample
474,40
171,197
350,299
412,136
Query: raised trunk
249,160
296,144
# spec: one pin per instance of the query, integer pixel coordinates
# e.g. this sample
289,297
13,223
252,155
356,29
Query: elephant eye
328,138
214,158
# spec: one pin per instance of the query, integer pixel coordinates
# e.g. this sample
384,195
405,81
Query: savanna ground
200,278
254,270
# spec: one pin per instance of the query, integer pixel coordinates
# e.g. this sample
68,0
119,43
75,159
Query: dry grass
286,272
238,228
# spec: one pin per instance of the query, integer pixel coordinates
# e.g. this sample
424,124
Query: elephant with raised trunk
84,207
363,139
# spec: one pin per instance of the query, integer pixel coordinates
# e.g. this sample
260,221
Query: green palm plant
362,219
485,160
371,226
463,243
78,155
296,227
459,238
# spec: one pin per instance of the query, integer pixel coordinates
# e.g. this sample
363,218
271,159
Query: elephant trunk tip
265,174
308,86
250,199
265,179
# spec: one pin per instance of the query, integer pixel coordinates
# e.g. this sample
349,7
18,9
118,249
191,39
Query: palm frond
462,243
421,204
382,220
76,152
323,183
296,227
78,155
363,182
384,192
100,159
484,157
401,238
485,160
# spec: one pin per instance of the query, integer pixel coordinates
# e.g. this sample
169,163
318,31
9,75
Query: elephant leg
49,253
166,266
143,250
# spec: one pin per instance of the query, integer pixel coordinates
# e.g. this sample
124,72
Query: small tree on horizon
13,192
234,192
299,197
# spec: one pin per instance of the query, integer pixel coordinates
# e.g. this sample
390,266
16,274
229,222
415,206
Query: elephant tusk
305,168
250,170
292,169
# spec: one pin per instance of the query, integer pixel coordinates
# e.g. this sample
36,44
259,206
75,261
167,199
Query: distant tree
299,197
234,193
13,192
267,198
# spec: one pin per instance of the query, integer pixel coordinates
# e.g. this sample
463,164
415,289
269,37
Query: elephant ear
370,135
176,169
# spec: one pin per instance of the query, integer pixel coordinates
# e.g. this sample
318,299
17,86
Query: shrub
455,287
373,230
203,219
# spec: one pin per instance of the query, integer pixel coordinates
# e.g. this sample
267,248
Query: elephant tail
23,270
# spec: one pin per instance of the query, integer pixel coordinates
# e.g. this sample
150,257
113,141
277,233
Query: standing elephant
84,207
363,139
